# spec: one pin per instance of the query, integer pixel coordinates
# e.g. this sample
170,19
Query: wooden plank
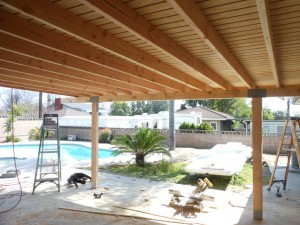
197,20
289,90
55,16
6,76
40,35
95,140
83,68
257,158
130,216
32,87
43,81
122,15
264,15
43,66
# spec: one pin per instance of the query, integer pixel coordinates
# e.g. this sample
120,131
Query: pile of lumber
188,204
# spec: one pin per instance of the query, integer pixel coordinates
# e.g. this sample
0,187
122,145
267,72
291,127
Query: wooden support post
95,137
257,158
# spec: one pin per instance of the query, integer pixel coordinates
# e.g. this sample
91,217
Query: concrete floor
44,207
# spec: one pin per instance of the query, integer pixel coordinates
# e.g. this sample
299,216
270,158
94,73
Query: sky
273,103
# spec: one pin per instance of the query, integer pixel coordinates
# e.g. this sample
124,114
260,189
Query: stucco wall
21,128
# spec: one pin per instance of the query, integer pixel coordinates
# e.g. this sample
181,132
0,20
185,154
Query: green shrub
11,138
34,134
164,167
105,136
205,126
187,126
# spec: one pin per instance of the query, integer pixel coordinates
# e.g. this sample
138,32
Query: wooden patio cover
130,50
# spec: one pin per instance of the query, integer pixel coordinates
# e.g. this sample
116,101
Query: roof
207,114
130,50
87,107
66,112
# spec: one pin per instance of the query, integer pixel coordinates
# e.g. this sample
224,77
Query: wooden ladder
48,165
292,145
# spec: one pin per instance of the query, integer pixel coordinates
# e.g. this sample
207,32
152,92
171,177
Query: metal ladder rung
49,128
48,165
47,179
50,151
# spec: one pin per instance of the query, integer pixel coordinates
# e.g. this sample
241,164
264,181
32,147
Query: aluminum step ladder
286,149
48,165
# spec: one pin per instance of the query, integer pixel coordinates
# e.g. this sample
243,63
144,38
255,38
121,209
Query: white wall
160,120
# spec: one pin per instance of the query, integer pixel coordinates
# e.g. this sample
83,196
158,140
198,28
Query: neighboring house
65,111
270,126
219,120
159,121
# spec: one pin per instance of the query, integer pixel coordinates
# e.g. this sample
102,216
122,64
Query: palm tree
34,134
144,142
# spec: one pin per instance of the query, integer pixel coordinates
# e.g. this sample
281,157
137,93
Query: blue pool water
75,151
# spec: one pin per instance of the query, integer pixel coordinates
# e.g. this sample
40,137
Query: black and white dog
78,178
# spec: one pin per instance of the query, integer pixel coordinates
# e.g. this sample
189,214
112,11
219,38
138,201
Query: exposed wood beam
65,21
265,20
42,68
27,78
218,94
190,12
83,68
257,158
121,14
19,27
95,140
9,78
38,87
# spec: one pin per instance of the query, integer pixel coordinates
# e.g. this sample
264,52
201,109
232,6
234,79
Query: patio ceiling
151,49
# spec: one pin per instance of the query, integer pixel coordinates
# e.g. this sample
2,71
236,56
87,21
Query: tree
138,108
280,115
26,99
242,110
221,105
149,107
119,109
268,114
143,143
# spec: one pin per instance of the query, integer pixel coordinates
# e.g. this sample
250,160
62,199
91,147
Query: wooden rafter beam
121,14
192,15
23,78
219,94
49,13
17,26
16,62
79,67
38,87
11,70
265,20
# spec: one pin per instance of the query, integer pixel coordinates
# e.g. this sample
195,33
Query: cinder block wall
186,139
189,139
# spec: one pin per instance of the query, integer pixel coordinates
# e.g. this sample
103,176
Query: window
280,129
266,129
214,125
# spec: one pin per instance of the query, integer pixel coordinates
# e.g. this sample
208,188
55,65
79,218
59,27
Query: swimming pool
74,151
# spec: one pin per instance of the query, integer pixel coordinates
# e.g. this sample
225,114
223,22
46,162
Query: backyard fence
184,138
